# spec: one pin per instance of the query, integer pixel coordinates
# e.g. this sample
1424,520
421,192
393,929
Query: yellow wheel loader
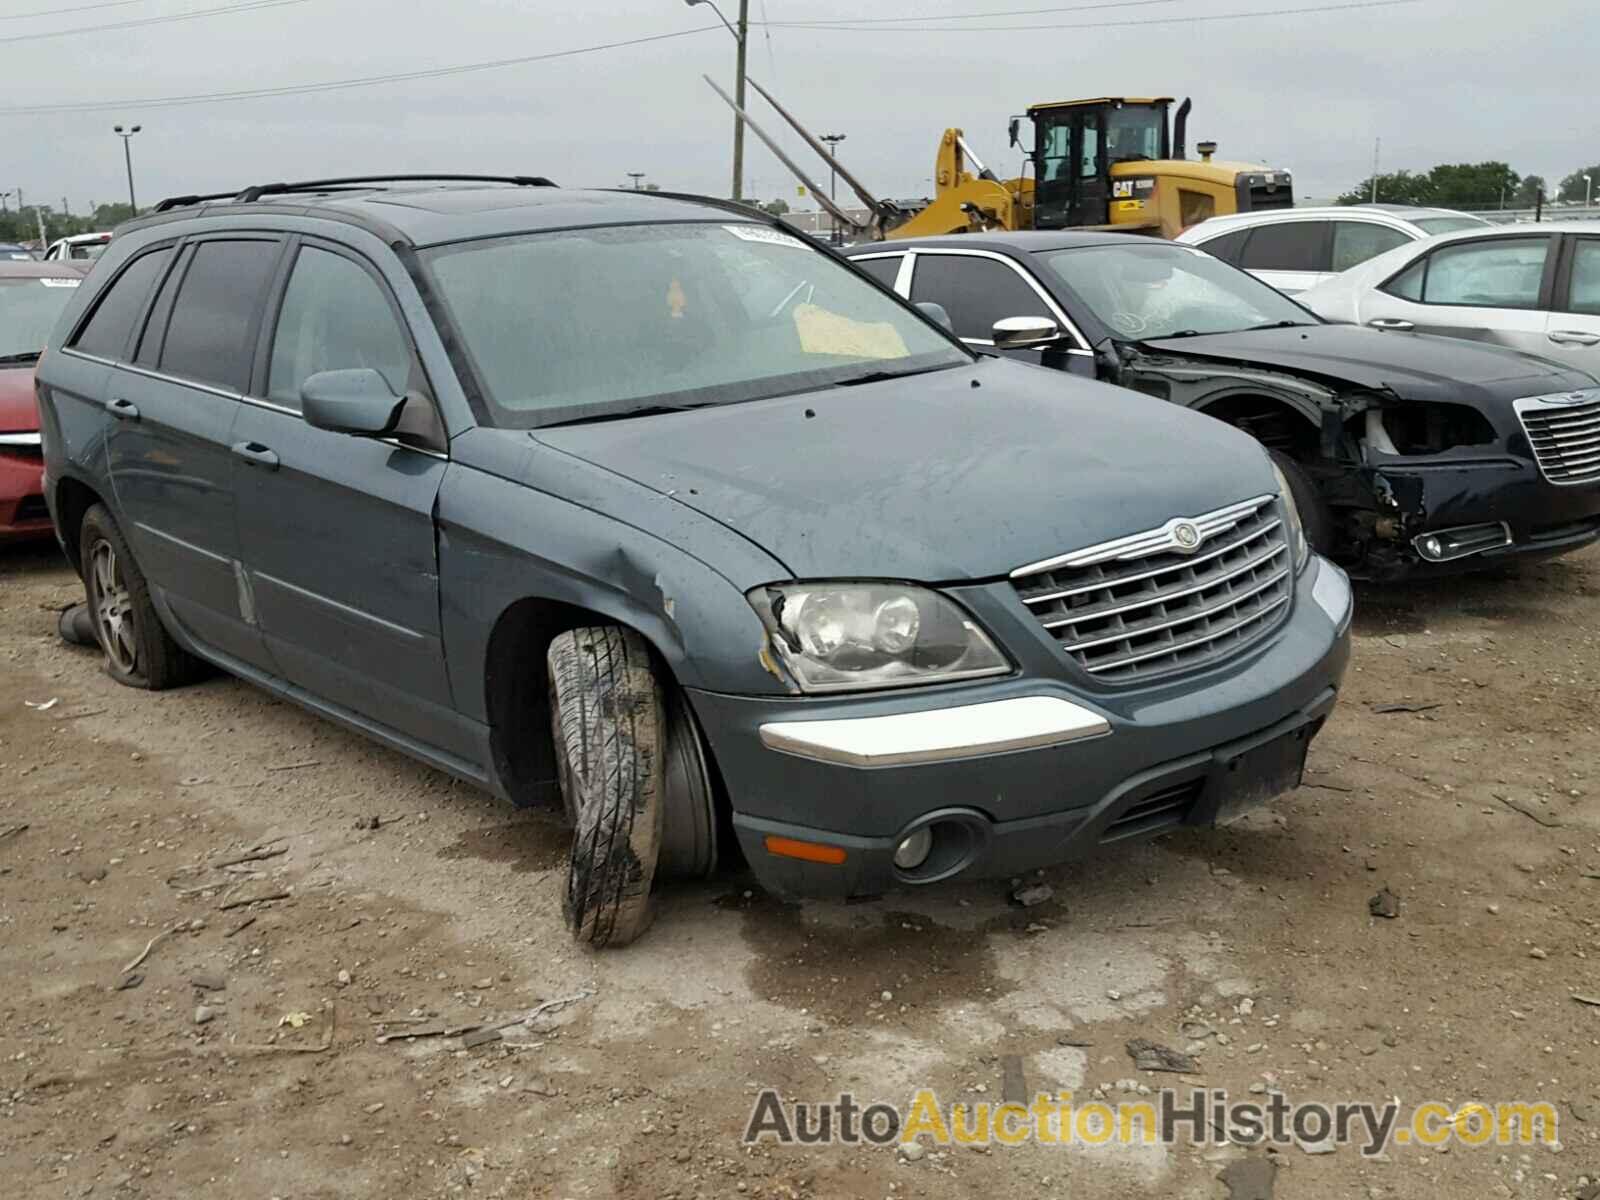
1109,163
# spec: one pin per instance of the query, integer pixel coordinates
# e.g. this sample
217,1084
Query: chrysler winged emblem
1186,535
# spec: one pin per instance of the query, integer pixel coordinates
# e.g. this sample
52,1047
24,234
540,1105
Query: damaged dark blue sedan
644,507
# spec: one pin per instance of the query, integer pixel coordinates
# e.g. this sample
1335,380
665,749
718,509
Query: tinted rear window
119,306
211,336
1228,246
1286,246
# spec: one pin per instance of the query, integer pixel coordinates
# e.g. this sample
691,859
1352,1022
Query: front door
1572,329
172,402
336,531
1092,191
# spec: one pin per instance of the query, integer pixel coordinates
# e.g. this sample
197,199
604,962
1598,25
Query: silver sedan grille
1186,595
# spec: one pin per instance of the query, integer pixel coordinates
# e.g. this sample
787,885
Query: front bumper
1540,519
23,514
1022,772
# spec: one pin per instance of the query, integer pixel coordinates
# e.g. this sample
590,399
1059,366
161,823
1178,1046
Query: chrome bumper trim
937,734
31,438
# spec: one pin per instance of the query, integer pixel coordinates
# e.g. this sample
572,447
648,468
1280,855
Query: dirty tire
1314,512
138,651
609,720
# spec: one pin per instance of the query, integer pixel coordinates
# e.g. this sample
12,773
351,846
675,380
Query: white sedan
1534,288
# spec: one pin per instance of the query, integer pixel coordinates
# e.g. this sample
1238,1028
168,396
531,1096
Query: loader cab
1076,143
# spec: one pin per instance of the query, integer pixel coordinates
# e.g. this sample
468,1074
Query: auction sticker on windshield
760,233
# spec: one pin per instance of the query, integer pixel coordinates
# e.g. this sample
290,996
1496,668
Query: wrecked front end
1417,479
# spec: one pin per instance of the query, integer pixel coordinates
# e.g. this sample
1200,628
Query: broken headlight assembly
1296,529
842,637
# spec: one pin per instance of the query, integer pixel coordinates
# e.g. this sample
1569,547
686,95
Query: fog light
912,852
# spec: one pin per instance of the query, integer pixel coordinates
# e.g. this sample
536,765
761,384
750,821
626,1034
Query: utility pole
833,140
1588,198
743,36
1377,147
127,158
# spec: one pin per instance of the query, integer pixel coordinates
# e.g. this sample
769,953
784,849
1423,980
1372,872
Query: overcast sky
1438,80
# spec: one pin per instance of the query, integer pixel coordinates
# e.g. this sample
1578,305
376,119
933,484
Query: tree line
1472,185
23,225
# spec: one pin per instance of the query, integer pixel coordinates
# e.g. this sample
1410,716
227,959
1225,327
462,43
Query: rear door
1289,255
1572,330
337,532
1484,289
172,400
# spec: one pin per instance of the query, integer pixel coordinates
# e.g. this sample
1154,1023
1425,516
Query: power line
61,12
251,6
1015,12
337,84
1242,16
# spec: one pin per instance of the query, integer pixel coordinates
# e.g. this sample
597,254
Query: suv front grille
1149,605
1565,437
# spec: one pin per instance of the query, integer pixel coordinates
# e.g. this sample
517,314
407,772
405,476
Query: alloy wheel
112,607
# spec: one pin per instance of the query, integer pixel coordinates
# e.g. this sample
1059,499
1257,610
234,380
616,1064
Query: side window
1354,242
884,270
211,335
334,316
1286,246
148,350
109,326
1227,247
1583,291
1408,284
1504,273
976,292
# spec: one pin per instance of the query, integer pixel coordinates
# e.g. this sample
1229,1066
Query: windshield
1448,224
1134,132
28,311
1160,290
586,323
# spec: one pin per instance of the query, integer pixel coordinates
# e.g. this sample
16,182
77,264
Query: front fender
502,542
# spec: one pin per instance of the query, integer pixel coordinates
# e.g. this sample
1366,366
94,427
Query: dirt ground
1480,814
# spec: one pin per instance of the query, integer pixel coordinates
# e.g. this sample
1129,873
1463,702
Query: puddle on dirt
839,966
533,844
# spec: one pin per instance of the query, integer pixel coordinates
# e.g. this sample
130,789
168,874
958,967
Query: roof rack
348,183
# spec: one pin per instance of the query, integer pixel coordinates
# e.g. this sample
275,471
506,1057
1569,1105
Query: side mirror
1017,333
356,401
936,313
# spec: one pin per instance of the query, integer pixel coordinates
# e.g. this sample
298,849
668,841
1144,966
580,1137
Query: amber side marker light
810,851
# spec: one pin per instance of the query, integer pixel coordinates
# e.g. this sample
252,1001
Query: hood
931,478
1413,365
19,411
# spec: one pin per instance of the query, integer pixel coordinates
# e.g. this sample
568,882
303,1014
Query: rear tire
138,650
608,714
1315,514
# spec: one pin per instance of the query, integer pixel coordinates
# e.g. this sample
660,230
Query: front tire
139,652
1315,514
608,713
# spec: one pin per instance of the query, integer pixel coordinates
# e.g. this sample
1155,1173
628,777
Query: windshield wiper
1181,333
645,410
1277,325
26,356
880,375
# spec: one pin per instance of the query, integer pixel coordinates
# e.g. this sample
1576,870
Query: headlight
1297,531
840,637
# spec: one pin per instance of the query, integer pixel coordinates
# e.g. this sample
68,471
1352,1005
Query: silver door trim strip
201,551
346,609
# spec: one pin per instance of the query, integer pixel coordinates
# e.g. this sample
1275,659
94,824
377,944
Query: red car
32,295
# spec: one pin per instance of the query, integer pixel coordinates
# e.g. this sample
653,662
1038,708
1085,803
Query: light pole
636,176
4,196
741,36
127,158
833,140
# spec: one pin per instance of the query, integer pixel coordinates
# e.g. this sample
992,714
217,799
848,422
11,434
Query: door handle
1574,337
1391,323
256,455
123,410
